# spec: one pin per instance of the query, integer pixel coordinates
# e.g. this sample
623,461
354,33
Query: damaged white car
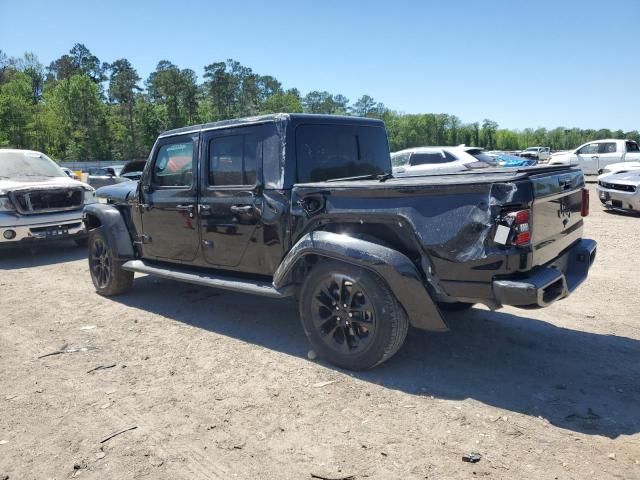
38,201
620,191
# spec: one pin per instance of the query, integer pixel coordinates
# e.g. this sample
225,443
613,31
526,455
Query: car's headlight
6,205
89,195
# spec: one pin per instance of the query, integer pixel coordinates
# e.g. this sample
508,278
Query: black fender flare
113,226
395,268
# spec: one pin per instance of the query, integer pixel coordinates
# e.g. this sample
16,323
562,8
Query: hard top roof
274,117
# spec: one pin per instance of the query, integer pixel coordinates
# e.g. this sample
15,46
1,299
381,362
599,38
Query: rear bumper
545,284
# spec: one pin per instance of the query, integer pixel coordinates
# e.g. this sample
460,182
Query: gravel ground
218,385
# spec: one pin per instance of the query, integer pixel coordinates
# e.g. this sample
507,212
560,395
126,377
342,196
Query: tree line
79,108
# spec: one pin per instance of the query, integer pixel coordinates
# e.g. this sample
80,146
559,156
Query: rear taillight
584,211
520,225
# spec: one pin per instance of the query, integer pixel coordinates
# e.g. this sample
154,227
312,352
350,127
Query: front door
168,203
588,158
230,206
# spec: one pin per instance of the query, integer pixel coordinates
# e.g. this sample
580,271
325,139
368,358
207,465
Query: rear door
632,152
608,153
230,205
168,207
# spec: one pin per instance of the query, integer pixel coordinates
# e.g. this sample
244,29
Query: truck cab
594,157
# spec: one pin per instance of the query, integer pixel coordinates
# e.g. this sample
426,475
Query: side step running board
217,281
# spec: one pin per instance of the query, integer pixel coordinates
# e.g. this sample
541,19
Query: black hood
119,192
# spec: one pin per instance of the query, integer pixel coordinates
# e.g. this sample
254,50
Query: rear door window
632,147
430,158
607,147
233,160
337,151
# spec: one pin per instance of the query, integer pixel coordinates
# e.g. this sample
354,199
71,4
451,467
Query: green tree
79,61
16,111
287,102
78,119
123,87
324,102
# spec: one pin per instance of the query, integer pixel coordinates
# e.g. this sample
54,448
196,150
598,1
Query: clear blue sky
521,63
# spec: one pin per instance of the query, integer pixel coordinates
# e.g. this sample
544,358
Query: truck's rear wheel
106,272
350,316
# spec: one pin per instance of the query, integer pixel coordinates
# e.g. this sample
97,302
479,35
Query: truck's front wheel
106,272
350,316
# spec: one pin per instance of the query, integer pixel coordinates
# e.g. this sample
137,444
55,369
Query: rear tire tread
393,313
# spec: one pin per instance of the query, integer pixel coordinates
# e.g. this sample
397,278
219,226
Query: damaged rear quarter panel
452,223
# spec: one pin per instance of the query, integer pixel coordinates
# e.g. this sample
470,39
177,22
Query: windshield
27,164
532,149
480,155
340,151
399,159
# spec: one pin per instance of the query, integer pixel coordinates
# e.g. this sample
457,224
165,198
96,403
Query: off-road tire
384,336
106,272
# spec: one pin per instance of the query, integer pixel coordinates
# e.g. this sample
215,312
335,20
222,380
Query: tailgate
556,213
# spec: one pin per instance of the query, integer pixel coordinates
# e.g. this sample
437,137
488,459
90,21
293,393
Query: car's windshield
532,149
400,159
27,164
480,155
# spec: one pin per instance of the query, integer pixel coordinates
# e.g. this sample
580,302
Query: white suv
437,160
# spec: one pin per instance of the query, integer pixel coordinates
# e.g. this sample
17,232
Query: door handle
595,157
239,209
186,208
204,209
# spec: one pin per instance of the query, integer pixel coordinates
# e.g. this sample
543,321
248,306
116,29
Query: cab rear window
324,152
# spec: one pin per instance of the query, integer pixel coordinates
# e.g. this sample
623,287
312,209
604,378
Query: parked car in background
70,173
621,167
133,169
620,191
506,160
426,160
38,200
101,176
542,154
594,157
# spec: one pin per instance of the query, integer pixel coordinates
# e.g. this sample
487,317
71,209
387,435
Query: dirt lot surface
219,385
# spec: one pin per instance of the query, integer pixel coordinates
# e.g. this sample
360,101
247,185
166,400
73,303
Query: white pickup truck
542,154
594,156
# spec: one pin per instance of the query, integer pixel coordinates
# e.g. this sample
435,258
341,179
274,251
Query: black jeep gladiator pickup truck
305,206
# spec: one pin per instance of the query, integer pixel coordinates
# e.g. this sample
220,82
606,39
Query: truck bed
491,175
454,217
